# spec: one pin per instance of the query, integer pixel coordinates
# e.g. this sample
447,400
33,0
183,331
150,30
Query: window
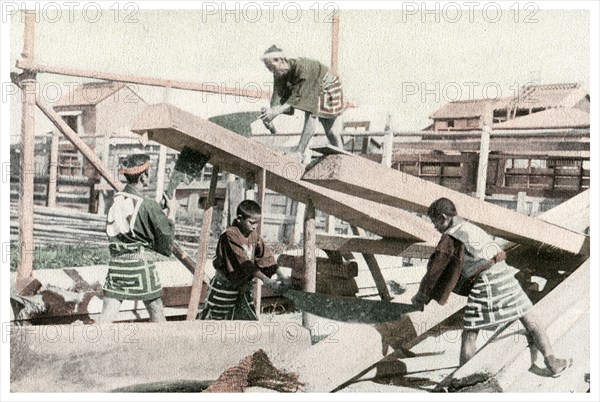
450,123
72,120
70,163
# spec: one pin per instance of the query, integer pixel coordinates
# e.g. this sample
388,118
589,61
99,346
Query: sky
402,62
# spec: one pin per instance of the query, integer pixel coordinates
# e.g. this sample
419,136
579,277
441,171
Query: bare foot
557,366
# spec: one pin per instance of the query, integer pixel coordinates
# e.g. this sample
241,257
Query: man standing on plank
306,85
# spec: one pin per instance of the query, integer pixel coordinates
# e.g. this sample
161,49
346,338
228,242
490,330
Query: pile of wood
67,227
333,277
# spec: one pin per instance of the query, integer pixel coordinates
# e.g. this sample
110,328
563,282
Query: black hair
441,206
133,161
248,208
135,178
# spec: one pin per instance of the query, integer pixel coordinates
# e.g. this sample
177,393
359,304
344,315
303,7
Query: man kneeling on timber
136,225
469,262
241,256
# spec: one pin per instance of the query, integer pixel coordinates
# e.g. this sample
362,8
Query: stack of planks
73,228
335,278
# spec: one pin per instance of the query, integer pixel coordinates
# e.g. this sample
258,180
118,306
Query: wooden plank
336,269
148,352
337,286
325,266
203,242
394,188
330,150
176,128
348,244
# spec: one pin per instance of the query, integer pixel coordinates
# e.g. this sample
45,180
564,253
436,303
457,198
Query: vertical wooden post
484,152
310,259
29,37
235,193
388,143
373,266
203,241
298,223
522,206
102,195
227,178
162,159
53,170
262,183
330,225
161,173
335,42
26,187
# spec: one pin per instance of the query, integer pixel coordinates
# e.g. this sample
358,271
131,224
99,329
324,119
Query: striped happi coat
495,297
309,86
136,227
237,258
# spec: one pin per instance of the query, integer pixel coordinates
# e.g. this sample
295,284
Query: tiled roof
549,96
529,97
550,118
469,108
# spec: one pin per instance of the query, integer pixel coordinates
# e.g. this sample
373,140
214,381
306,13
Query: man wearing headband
306,85
136,226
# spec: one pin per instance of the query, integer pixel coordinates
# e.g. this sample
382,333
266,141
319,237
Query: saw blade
348,309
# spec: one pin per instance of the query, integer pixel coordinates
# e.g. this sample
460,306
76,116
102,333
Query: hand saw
349,309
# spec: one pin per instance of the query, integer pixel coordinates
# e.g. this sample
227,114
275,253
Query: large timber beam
244,157
370,180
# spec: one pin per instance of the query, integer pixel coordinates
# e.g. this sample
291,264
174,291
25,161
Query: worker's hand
285,280
268,115
172,204
275,285
420,300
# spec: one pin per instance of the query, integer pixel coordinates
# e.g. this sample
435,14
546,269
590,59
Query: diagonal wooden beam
91,156
372,181
209,87
244,157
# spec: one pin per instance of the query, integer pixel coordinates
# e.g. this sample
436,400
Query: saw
348,309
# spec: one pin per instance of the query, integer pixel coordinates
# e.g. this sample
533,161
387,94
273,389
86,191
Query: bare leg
332,132
155,310
110,309
533,350
542,342
310,126
468,346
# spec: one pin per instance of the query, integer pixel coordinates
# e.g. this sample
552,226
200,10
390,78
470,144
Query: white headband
273,55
